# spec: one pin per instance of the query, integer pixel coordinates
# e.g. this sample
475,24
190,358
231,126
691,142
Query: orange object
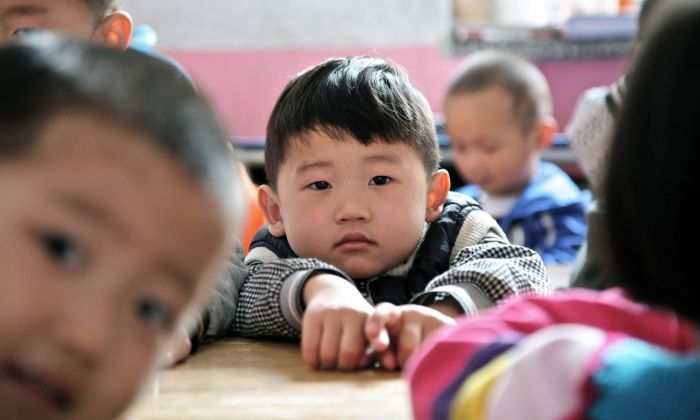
625,6
254,219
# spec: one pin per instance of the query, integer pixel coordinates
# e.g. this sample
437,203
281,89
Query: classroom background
241,53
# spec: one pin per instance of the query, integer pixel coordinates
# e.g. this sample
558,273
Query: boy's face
104,244
360,208
490,147
72,17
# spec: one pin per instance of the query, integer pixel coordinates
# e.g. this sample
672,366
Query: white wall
270,24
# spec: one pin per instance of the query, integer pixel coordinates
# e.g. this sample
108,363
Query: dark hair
652,176
644,19
368,98
520,78
43,75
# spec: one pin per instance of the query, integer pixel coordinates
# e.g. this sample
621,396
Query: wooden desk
239,379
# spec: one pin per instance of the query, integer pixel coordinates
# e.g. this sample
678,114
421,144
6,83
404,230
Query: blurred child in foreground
117,200
104,22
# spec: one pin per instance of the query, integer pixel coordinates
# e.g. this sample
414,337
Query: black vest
432,258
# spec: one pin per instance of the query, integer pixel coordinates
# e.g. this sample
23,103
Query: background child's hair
44,75
102,8
652,177
367,98
523,80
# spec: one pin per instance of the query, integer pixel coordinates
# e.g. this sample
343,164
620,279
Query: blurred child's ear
437,194
115,30
269,205
547,129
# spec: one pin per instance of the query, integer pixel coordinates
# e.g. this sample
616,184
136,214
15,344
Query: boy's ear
438,188
269,205
546,130
115,30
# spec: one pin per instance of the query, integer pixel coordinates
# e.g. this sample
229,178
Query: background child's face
360,208
72,17
490,148
105,242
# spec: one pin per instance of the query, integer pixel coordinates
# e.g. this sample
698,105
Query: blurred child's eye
320,185
63,250
25,31
380,180
152,312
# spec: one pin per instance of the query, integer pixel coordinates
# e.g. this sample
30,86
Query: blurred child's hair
367,98
102,8
44,75
644,19
520,78
652,177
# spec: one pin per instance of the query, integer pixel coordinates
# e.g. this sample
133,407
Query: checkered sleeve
487,272
270,303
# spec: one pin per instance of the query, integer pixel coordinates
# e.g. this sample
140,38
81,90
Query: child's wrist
323,282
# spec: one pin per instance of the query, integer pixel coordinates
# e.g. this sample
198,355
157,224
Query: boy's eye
155,313
380,180
319,185
63,250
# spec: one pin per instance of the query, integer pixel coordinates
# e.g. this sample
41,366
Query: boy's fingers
410,339
180,348
329,345
352,348
310,340
385,315
387,360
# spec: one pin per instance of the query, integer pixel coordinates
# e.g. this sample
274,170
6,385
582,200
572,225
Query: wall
242,52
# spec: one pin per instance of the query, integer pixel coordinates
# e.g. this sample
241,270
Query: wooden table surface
239,378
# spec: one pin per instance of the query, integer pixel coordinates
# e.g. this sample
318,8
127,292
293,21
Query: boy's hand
332,334
179,349
407,325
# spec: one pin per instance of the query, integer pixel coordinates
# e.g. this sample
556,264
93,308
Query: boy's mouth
48,392
353,241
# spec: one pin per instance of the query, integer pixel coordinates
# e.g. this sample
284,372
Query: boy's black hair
365,97
43,75
520,78
652,175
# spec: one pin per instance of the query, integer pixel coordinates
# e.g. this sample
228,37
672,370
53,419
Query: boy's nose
83,330
472,164
352,209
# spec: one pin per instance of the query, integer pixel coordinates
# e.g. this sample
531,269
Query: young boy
103,22
590,132
358,213
117,194
498,118
98,20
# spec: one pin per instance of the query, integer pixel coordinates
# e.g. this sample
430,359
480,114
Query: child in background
359,213
591,124
498,118
589,132
103,22
587,354
100,21
116,198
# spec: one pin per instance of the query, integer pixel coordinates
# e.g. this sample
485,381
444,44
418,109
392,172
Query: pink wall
244,85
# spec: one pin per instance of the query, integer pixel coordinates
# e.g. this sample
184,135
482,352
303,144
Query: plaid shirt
484,269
